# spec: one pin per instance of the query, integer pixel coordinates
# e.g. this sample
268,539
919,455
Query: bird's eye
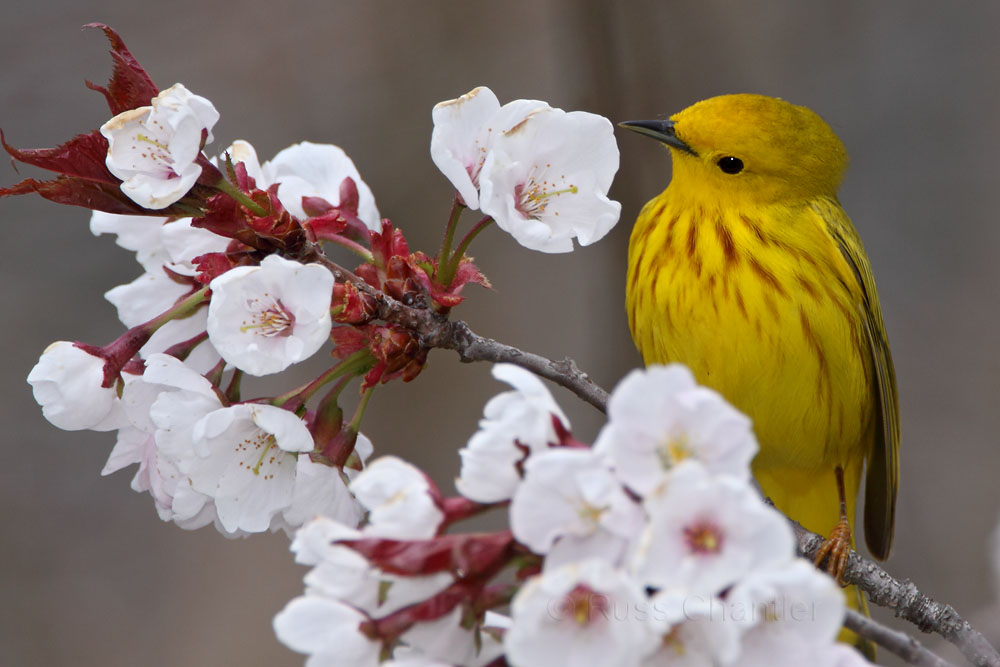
730,164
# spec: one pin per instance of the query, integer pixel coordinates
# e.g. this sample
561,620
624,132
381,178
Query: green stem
225,186
449,231
192,210
354,461
353,246
359,412
215,375
451,265
180,310
233,390
354,365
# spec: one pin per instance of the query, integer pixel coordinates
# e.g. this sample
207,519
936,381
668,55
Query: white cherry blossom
329,631
319,490
262,319
154,149
341,573
572,507
580,614
161,246
660,416
445,640
545,180
244,457
792,609
151,294
178,397
456,145
695,631
413,660
306,169
315,540
463,134
515,424
67,381
541,173
317,170
136,443
138,233
397,496
705,533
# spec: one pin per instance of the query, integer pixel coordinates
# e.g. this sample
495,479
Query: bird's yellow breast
760,304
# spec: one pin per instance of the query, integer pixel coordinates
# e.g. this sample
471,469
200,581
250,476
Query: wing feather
882,478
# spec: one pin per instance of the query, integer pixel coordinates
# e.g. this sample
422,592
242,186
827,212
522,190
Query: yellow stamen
150,140
270,442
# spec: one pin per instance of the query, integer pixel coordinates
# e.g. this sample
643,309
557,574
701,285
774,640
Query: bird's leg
837,547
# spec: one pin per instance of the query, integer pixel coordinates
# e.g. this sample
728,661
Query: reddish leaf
79,192
468,273
81,156
467,555
349,197
399,354
356,229
130,86
373,376
398,279
389,628
210,174
223,216
369,274
180,278
211,265
564,437
243,178
214,264
348,340
390,242
84,179
326,225
352,305
316,206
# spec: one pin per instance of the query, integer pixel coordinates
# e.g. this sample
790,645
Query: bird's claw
835,551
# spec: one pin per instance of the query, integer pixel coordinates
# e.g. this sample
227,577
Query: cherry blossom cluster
234,283
650,547
541,173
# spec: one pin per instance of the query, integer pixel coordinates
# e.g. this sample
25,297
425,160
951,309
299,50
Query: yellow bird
747,270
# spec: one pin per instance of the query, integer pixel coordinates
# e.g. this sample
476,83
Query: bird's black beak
661,130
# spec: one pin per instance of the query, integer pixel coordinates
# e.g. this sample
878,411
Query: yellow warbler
747,270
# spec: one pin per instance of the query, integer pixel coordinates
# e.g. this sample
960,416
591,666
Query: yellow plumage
747,270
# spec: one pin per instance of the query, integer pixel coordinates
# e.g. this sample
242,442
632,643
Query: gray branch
894,641
434,330
907,602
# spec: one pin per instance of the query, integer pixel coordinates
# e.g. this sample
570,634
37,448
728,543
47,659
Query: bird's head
750,147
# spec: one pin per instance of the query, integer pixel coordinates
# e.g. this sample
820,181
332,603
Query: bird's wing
882,478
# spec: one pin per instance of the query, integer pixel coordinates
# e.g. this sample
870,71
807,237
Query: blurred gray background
90,576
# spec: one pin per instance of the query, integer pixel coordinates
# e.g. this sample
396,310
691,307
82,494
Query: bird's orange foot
835,551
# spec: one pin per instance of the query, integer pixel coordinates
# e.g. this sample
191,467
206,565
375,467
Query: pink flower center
532,197
584,606
269,320
703,537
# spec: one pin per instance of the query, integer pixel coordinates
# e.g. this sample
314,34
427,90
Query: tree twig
437,331
894,641
882,589
907,602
